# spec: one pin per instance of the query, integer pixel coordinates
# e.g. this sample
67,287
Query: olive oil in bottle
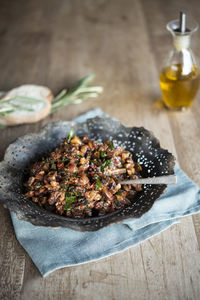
180,78
178,90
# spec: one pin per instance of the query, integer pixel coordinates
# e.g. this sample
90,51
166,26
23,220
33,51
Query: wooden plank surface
124,42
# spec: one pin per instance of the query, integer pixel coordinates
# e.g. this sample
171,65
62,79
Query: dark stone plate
19,155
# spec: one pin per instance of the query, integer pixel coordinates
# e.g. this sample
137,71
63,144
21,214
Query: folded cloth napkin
52,249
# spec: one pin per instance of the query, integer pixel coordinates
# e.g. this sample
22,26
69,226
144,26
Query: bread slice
40,110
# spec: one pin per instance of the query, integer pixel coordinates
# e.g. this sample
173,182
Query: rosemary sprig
77,94
10,105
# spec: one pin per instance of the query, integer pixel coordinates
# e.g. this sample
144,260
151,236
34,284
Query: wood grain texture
124,42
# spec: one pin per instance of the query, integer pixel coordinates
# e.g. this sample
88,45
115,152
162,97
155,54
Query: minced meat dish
80,178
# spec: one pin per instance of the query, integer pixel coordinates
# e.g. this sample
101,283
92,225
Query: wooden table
54,43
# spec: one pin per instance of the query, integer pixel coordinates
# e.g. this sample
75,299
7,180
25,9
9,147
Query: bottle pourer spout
182,20
180,32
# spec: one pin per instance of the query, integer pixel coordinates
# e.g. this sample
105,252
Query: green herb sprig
69,201
103,153
75,95
105,164
22,103
98,184
70,135
111,145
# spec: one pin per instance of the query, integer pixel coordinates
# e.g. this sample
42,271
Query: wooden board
125,42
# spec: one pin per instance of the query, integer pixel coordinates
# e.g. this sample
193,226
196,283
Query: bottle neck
181,42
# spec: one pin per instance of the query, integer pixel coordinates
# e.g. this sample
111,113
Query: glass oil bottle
180,78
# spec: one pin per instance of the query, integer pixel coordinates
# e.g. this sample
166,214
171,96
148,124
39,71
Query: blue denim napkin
52,249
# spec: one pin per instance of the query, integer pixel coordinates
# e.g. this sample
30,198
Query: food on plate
80,178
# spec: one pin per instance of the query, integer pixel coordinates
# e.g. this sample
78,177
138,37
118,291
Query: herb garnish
111,145
77,94
69,201
107,163
65,186
98,184
103,153
70,197
70,135
38,186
